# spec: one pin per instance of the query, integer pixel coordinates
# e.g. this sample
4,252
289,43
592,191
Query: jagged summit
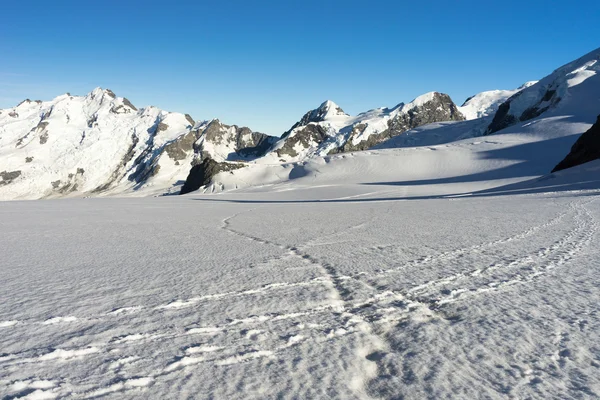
328,129
100,143
327,110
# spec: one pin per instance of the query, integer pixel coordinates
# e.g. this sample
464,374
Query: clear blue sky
264,63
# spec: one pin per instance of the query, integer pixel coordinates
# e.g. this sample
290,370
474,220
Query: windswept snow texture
467,276
429,267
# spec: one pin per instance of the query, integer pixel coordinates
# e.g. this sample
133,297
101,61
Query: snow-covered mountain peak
553,92
99,98
328,129
27,103
328,109
420,100
486,103
527,84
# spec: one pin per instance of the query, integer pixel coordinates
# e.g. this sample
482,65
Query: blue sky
264,63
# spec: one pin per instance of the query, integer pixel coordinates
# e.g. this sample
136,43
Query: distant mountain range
101,144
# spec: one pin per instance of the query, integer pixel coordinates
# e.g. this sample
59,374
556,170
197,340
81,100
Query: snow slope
101,144
486,103
88,144
417,168
536,142
358,291
431,270
572,89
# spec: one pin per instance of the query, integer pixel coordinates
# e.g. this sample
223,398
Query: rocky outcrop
118,171
326,110
585,149
235,143
202,174
39,128
179,149
303,138
508,115
124,108
189,119
547,94
438,108
70,184
7,177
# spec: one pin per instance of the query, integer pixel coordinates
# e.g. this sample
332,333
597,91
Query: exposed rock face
179,149
201,174
303,138
125,106
189,119
70,184
439,108
214,148
585,149
547,94
328,129
325,110
256,146
7,177
44,138
234,143
506,117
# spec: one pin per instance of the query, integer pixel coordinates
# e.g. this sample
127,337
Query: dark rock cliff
585,149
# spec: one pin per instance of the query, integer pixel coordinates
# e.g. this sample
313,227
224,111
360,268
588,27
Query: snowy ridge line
458,252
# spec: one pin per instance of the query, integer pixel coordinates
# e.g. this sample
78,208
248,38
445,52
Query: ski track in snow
371,317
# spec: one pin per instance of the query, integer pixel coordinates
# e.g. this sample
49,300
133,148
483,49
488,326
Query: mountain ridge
101,144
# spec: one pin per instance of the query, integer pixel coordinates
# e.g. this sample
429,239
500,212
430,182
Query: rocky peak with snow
425,109
325,111
553,91
102,144
328,129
